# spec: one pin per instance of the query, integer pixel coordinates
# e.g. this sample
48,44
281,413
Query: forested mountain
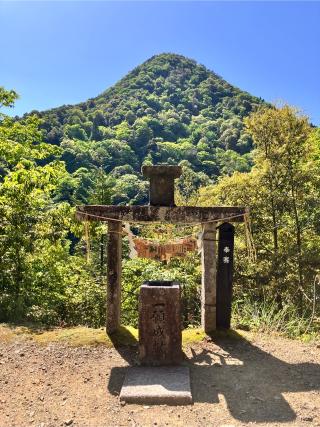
53,268
167,110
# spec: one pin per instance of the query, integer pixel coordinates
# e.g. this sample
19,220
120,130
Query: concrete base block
157,385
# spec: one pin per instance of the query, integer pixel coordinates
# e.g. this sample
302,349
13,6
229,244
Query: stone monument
160,343
160,336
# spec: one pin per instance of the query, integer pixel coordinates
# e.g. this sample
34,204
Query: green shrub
185,271
266,316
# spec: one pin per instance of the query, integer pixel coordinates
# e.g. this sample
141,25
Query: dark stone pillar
225,275
160,337
114,275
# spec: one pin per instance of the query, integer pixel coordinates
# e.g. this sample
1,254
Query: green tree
36,269
7,97
282,191
284,150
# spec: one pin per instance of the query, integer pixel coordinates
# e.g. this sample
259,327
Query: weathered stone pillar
208,288
160,335
114,275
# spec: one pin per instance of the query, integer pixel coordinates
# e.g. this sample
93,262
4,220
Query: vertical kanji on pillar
225,275
114,275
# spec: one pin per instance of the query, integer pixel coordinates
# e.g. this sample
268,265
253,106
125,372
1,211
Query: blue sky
56,53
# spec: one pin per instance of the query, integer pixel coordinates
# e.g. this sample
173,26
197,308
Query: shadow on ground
129,354
252,381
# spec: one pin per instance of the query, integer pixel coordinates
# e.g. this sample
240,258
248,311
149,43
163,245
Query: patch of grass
192,335
310,338
125,335
267,317
6,334
228,333
80,335
9,332
77,336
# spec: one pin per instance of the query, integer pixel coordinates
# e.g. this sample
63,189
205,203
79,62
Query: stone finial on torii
161,191
163,209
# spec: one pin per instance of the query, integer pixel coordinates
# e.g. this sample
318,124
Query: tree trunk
299,248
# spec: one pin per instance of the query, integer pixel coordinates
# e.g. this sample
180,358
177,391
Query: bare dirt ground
263,380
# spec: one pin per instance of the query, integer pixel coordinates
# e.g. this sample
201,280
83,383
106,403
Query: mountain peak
169,56
169,109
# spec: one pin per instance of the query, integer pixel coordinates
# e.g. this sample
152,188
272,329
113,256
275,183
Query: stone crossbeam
166,214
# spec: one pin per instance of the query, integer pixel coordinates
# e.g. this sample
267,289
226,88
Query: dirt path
259,380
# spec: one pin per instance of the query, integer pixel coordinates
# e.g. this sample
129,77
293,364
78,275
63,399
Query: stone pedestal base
157,386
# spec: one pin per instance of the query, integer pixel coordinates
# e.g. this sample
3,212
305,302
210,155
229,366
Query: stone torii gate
163,209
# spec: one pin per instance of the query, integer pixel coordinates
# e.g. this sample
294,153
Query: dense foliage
39,280
167,110
283,192
234,149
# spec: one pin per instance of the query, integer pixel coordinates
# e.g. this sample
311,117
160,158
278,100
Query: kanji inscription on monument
159,323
